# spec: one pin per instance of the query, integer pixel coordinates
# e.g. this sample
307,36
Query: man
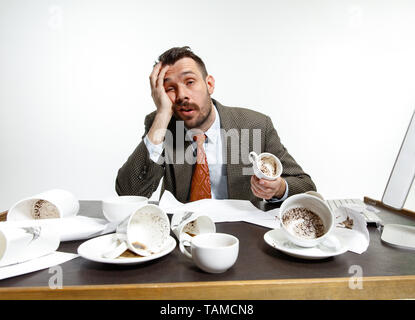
186,142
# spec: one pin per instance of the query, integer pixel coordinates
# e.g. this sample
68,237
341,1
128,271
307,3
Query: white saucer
94,248
276,239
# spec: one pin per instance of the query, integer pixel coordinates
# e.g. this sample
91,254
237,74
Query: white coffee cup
257,158
19,244
116,209
318,207
212,252
60,204
144,232
186,225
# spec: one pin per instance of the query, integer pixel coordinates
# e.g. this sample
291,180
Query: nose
182,95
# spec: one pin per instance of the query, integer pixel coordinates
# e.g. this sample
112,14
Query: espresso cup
186,225
55,203
144,232
19,244
317,207
212,252
118,208
256,160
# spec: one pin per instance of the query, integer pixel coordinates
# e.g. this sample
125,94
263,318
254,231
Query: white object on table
94,249
44,262
71,228
276,239
222,210
398,235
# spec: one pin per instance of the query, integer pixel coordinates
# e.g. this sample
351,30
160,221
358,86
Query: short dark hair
172,55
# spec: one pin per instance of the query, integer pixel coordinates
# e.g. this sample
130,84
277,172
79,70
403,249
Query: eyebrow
184,73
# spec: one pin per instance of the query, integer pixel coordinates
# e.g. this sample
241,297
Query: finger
263,188
255,181
260,194
160,78
256,192
154,74
273,184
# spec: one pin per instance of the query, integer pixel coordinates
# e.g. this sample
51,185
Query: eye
169,89
190,82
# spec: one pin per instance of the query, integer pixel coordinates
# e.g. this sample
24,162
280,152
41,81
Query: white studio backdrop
336,77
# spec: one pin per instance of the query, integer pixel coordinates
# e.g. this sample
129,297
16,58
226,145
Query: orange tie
200,188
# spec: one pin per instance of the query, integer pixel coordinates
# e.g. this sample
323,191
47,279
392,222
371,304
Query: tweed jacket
141,176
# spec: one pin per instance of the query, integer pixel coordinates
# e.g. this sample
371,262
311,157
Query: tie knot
199,138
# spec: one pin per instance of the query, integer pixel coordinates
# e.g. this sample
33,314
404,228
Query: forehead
182,68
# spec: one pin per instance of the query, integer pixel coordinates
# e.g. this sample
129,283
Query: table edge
380,287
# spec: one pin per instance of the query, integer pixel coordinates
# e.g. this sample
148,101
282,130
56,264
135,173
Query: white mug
189,224
255,160
19,244
212,252
319,207
144,232
118,208
54,203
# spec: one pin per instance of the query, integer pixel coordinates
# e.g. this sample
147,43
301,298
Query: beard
200,116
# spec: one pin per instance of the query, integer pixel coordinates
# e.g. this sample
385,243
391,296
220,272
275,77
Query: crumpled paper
351,229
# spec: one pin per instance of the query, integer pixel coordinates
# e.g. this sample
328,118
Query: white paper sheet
357,238
71,228
44,262
223,210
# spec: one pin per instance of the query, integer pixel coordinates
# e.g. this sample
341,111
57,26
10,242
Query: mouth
186,111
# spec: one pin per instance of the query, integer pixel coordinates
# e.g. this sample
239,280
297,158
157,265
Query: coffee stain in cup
139,245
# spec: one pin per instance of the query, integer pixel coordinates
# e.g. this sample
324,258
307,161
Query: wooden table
260,272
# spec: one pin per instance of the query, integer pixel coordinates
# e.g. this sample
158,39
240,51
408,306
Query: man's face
190,92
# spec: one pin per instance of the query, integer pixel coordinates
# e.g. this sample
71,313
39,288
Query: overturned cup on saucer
144,232
266,165
51,204
307,221
189,224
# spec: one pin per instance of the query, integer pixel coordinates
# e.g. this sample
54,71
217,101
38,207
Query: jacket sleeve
139,175
298,181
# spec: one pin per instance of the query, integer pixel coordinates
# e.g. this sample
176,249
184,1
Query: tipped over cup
144,232
186,225
55,203
307,221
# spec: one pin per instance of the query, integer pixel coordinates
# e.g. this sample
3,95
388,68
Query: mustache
185,104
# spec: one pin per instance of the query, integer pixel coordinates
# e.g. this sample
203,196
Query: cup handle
183,249
253,157
115,253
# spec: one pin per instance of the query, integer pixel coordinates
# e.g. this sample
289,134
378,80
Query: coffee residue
303,223
129,254
43,209
268,166
139,245
348,223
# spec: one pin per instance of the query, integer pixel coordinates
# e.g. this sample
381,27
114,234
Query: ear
210,83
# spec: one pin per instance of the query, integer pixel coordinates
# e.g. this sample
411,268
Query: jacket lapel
233,165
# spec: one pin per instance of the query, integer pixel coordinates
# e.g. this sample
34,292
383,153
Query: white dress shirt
213,149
